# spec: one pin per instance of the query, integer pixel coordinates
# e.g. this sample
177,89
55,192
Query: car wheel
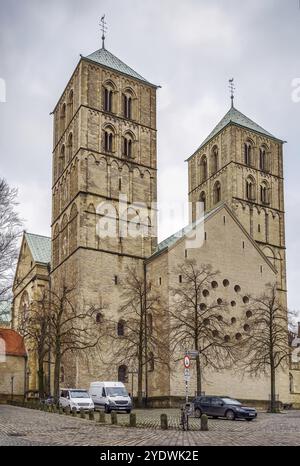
107,409
230,415
198,412
249,420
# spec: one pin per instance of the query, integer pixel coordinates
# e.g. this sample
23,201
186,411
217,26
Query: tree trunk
41,378
198,371
57,362
140,359
273,407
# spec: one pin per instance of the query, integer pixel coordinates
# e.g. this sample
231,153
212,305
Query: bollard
164,421
114,418
60,410
67,410
101,417
91,415
54,409
74,412
82,413
132,420
204,422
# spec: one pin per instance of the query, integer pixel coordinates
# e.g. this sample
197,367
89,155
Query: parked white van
112,396
76,399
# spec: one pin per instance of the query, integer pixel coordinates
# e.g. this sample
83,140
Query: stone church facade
104,147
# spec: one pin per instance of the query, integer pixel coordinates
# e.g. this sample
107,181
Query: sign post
187,377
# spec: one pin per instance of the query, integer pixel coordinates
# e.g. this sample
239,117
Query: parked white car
76,399
110,396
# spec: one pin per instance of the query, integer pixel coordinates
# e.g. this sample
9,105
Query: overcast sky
188,47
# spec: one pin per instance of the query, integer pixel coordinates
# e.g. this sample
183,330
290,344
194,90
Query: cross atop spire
232,89
103,28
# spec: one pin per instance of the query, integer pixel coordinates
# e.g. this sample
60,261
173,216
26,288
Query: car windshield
116,391
79,394
231,401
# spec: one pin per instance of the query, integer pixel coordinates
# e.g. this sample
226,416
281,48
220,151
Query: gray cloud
191,48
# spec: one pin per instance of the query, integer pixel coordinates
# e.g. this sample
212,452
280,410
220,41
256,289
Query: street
22,426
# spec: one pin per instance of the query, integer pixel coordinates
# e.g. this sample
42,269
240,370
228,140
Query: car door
217,407
205,405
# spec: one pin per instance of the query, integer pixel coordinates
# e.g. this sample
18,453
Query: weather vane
232,89
103,27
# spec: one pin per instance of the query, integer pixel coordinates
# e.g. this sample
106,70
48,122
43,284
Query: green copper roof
234,116
107,59
40,247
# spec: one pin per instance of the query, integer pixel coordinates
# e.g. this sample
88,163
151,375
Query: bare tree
139,342
71,329
34,326
10,230
198,321
268,337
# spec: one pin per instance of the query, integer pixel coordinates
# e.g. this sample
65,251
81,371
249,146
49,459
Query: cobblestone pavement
22,426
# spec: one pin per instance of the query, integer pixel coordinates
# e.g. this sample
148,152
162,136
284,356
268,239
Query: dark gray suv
217,406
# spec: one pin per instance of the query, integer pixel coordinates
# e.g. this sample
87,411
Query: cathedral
104,150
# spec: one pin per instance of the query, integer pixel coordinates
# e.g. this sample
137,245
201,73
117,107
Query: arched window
248,153
264,193
99,318
215,159
24,306
202,199
151,362
149,323
70,146
250,189
127,145
62,159
203,169
108,99
263,159
217,192
108,140
70,104
121,328
123,373
63,118
127,106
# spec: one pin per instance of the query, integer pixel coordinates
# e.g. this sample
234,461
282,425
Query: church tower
104,148
241,163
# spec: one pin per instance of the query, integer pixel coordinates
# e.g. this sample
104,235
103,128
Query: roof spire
232,89
103,28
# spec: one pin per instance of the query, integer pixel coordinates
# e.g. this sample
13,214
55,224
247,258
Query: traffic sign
187,361
186,371
187,378
192,354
